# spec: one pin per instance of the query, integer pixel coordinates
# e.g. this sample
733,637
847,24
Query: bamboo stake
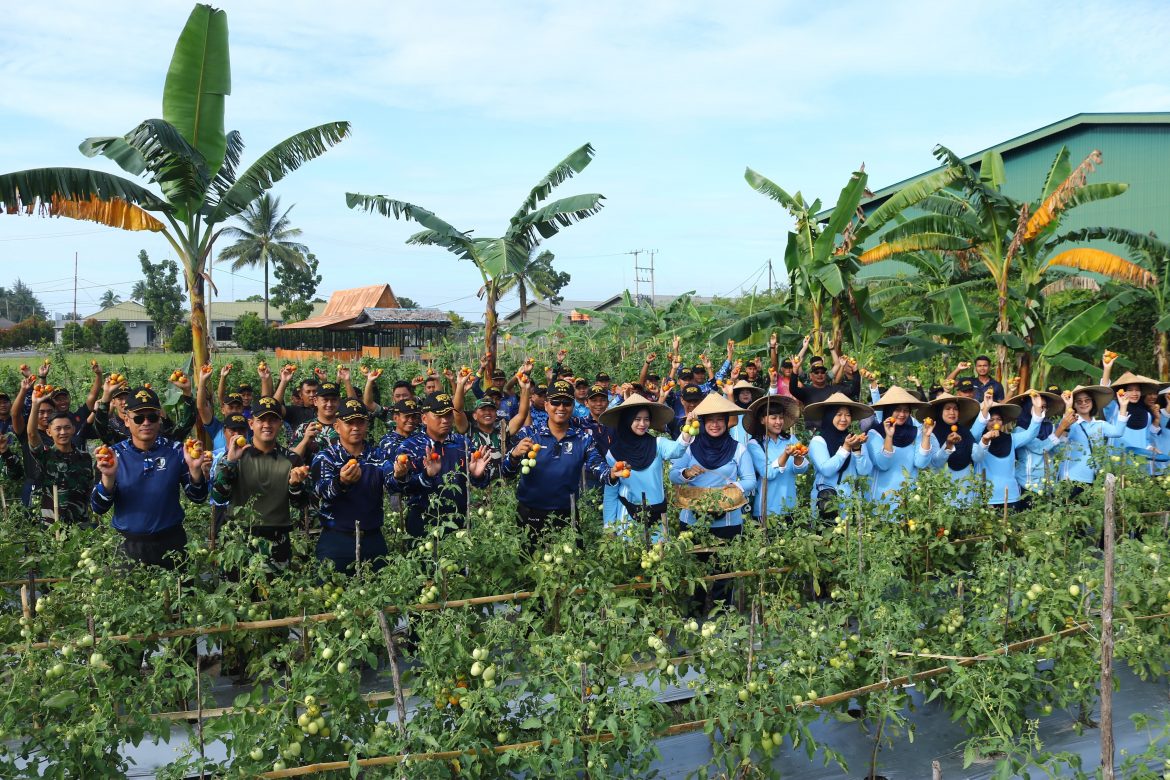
199,716
392,650
1107,750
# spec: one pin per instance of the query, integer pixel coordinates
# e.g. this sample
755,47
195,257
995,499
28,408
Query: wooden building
361,322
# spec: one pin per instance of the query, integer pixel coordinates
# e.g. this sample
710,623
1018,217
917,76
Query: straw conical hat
714,403
743,384
1101,396
1056,404
897,396
968,409
1007,412
814,412
660,414
786,403
1128,378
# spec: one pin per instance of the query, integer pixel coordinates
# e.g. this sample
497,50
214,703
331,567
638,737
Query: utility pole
771,278
74,316
643,274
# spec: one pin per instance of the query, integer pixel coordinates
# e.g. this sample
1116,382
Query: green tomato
256,754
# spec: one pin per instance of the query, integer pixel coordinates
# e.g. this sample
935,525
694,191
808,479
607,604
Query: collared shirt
71,473
259,481
450,484
325,438
981,388
345,506
559,464
145,498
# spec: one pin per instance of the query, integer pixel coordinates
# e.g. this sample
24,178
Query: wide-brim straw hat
814,412
757,392
1056,404
1128,378
786,403
660,414
968,409
898,396
714,403
1007,412
1101,395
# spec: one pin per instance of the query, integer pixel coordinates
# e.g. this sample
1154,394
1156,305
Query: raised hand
479,462
351,472
433,462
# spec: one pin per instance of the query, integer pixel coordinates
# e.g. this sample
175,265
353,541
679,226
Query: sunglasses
560,402
141,418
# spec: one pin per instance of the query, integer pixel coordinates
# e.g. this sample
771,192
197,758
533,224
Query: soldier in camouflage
59,464
318,434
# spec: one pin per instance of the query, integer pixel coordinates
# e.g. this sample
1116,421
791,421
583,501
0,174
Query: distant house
223,315
140,331
541,314
361,322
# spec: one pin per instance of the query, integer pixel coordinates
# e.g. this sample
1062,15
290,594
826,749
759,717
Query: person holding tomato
141,479
353,477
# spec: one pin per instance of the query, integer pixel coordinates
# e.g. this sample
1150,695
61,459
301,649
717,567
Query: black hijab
638,451
1025,419
833,437
905,434
1001,446
711,452
961,457
1139,415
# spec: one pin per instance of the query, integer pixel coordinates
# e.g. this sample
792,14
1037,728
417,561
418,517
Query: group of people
726,440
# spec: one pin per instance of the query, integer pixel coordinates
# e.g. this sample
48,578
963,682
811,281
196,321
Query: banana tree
821,258
186,153
1017,245
498,260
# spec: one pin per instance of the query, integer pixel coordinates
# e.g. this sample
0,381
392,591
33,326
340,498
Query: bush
114,338
181,339
250,333
74,336
27,333
95,331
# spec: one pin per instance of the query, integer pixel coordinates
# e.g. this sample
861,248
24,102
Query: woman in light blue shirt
642,494
714,461
768,422
1141,427
995,455
837,455
1083,434
743,394
957,427
898,449
1035,470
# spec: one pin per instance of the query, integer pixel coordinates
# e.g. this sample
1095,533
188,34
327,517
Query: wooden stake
199,715
392,650
56,505
935,770
1107,636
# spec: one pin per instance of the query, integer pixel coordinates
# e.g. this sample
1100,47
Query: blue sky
462,106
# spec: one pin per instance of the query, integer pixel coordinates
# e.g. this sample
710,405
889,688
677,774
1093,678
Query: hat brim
1102,396
814,413
354,416
660,414
968,409
1006,412
751,420
1128,378
1056,405
716,404
898,396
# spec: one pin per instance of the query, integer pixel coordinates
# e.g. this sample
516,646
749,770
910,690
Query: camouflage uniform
324,439
72,473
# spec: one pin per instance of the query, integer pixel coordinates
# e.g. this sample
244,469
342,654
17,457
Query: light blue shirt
780,480
892,469
737,471
1000,473
647,482
1035,470
1080,442
1132,438
833,470
965,477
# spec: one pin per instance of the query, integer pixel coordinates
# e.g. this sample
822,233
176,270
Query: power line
755,274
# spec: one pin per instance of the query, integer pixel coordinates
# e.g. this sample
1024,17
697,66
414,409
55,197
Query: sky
461,107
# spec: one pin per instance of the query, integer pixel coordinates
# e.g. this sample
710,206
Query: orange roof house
361,322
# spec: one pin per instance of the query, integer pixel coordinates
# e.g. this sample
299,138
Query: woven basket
731,497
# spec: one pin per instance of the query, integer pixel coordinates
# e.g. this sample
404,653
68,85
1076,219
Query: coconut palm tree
497,259
187,154
1017,244
264,235
536,277
109,298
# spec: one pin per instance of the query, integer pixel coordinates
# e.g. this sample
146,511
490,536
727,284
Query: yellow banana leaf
939,242
1099,261
1060,197
114,213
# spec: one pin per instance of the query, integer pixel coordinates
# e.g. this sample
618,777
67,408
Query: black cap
560,389
596,390
692,393
965,384
406,406
540,389
142,398
267,405
818,368
328,390
581,383
1054,389
499,374
244,387
59,391
351,410
786,363
235,422
686,375
697,368
438,403
5,395
495,392
234,398
601,377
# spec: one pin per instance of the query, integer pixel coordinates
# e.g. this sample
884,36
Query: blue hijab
711,452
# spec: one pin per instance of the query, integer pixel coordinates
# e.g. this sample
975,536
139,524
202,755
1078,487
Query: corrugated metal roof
347,305
126,311
567,307
233,310
402,315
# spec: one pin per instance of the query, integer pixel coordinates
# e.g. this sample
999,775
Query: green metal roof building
1135,149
